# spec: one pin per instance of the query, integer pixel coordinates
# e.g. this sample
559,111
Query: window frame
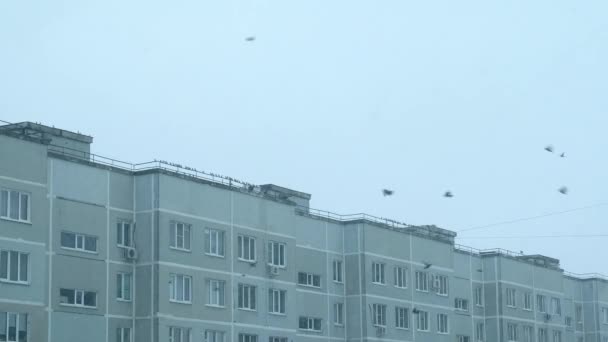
443,318
218,237
528,333
541,303
244,337
339,314
251,241
282,252
247,297
422,318
310,280
120,233
215,333
310,324
605,315
120,334
120,296
76,242
174,236
402,318
220,296
185,333
422,278
173,288
511,297
78,294
378,273
277,339
401,277
20,195
19,317
379,315
528,302
9,256
338,271
478,293
512,332
277,298
464,304
556,306
444,285
480,332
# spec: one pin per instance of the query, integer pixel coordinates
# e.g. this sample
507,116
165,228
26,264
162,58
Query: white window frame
186,285
246,243
604,315
556,306
512,332
215,240
120,335
543,335
310,280
479,296
422,281
277,255
443,324
379,315
277,339
511,298
541,303
247,297
339,314
378,274
461,304
216,293
181,242
402,318
480,332
422,321
18,318
401,277
79,242
124,231
528,333
122,280
6,206
248,337
7,256
277,302
568,322
528,301
441,285
184,334
338,275
311,322
557,336
463,338
78,298
211,335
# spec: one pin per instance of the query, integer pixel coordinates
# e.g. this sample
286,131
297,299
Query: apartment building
106,251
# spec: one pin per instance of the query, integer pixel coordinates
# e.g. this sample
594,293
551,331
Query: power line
529,218
534,236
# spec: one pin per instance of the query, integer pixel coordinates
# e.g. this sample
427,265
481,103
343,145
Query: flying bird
563,155
448,194
250,39
549,148
563,190
387,192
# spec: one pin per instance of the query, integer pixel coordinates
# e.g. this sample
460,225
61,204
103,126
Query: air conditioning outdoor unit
130,253
273,270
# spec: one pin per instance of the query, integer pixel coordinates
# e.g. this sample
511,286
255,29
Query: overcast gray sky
341,99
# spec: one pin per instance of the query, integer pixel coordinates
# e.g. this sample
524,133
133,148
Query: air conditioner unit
273,270
380,331
130,253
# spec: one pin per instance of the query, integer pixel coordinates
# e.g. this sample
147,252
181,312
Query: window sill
278,266
215,255
252,262
181,249
339,325
123,246
401,287
424,331
338,282
123,300
405,329
16,221
442,295
511,307
12,282
443,333
248,310
383,284
277,314
529,310
311,286
311,331
424,291
215,306
78,306
179,302
79,250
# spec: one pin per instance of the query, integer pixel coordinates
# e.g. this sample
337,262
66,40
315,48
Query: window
541,303
461,304
605,315
511,332
246,248
81,298
276,301
14,205
511,298
123,234
13,327
214,336
379,315
440,284
123,335
528,333
177,334
276,254
179,236
479,296
442,323
309,323
402,318
214,242
462,338
248,338
277,339
80,242
422,321
338,273
557,336
215,292
247,297
308,279
528,301
578,316
339,313
543,336
568,321
14,266
378,273
422,283
123,286
401,277
556,306
180,288
480,332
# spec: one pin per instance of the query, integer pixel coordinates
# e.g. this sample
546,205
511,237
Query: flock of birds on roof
448,194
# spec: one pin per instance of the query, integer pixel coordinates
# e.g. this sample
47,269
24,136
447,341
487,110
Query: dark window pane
90,243
24,267
14,205
66,296
12,327
3,267
24,207
4,206
22,328
90,299
68,240
127,234
119,241
2,326
14,268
